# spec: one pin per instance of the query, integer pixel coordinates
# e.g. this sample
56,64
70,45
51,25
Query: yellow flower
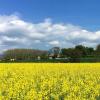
48,81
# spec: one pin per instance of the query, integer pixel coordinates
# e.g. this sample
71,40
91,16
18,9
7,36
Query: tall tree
97,51
54,52
82,49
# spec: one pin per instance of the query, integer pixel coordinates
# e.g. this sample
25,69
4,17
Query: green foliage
78,54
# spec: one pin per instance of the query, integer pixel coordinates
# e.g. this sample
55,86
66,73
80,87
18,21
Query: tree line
76,54
23,54
81,51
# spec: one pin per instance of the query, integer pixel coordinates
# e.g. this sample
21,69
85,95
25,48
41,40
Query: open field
38,81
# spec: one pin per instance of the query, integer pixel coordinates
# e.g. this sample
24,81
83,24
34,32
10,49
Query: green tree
97,51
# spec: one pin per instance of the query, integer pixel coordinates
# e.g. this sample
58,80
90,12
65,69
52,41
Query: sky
42,24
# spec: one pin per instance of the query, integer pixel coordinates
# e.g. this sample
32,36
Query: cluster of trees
78,54
78,51
81,51
23,54
73,54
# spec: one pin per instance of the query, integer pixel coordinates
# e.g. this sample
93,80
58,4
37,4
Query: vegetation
49,81
23,54
77,54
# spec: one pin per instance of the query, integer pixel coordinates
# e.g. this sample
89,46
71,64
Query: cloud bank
17,33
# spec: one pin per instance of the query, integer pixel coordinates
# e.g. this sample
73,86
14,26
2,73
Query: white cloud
17,33
54,43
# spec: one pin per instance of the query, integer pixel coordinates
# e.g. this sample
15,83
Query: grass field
23,81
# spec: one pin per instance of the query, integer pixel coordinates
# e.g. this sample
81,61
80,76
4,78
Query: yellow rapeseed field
39,81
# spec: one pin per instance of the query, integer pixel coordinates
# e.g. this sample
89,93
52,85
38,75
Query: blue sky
85,13
47,23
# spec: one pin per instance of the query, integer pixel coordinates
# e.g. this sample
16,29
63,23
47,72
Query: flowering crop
31,81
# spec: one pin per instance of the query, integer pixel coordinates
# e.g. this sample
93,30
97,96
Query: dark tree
82,49
97,51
